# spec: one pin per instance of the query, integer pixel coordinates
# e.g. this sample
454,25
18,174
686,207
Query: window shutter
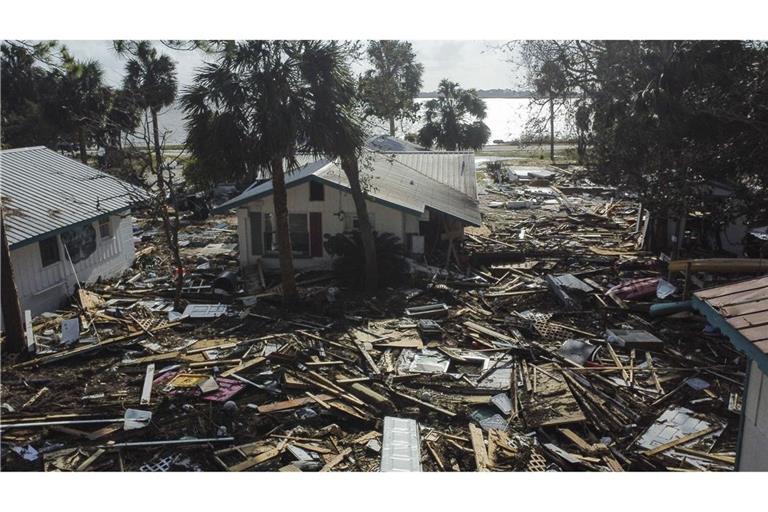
256,241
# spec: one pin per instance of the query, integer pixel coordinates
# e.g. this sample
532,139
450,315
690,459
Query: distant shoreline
488,93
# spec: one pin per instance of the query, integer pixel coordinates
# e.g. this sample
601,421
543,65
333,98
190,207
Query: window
49,251
298,227
105,227
316,191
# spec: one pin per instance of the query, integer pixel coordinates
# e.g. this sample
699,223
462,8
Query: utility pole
14,329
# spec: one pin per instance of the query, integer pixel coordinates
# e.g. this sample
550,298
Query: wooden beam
244,366
146,391
336,460
681,440
478,446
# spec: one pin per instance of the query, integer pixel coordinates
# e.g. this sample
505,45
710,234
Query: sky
476,64
473,64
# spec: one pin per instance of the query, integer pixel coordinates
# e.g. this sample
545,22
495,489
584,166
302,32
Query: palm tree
84,100
336,131
454,121
277,99
551,84
150,82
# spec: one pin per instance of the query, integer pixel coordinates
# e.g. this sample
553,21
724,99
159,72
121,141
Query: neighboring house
740,311
698,230
65,222
420,196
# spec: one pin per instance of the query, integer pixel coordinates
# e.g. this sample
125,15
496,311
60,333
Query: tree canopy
666,119
454,120
389,89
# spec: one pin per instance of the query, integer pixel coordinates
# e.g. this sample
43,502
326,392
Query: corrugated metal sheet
455,169
401,445
390,181
43,191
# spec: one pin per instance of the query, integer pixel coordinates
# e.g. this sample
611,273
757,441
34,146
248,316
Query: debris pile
561,346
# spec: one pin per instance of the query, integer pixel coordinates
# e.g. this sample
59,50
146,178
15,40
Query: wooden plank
263,457
581,444
751,284
78,351
433,453
291,404
744,309
90,460
612,463
751,320
478,446
755,334
336,460
29,335
368,359
312,447
739,298
553,403
146,391
681,440
367,437
318,400
244,366
472,326
425,404
715,457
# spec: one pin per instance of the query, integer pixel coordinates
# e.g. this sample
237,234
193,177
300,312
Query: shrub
349,262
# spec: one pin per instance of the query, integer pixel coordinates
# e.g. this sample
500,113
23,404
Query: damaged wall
385,220
43,288
753,455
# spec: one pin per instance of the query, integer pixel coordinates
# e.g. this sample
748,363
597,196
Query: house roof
44,192
389,143
453,168
391,181
740,310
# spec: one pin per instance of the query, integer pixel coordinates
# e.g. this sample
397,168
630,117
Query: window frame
268,249
318,188
55,240
105,221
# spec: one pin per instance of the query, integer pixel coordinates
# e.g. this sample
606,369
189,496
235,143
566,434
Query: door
316,234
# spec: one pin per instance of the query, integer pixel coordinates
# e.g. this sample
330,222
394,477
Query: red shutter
316,234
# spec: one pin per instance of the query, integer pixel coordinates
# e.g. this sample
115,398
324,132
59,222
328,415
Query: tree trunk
551,127
392,126
280,198
83,153
351,169
14,329
171,229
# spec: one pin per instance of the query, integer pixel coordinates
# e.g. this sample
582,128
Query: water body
506,117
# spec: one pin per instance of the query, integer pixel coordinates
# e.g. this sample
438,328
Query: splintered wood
553,402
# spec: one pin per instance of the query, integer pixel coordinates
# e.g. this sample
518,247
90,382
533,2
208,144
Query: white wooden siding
754,440
43,289
387,220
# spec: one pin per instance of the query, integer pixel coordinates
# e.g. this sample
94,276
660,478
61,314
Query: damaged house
65,223
423,197
740,312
